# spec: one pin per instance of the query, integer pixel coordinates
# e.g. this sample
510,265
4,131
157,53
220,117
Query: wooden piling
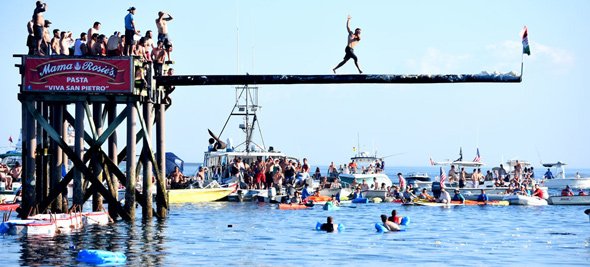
130,161
112,146
97,204
57,156
147,210
78,194
28,177
161,196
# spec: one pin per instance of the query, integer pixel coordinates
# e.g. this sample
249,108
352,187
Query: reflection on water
263,235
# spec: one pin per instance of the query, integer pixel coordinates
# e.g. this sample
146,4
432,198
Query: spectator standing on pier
30,38
65,43
45,43
94,29
38,26
55,42
113,44
158,55
353,39
162,24
130,31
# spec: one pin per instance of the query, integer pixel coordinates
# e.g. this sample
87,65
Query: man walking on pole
353,39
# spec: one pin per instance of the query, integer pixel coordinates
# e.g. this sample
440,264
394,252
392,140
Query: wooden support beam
130,161
112,112
334,79
78,163
97,204
161,196
147,210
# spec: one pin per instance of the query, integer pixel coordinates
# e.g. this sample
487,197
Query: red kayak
7,207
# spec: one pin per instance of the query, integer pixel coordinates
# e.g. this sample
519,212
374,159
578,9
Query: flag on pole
477,157
432,162
443,178
10,139
402,183
525,41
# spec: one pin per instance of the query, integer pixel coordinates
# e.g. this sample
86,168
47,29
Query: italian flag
525,42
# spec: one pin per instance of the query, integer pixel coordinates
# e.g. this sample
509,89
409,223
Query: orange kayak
293,207
318,198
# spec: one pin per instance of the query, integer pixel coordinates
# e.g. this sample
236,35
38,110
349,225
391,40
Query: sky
544,118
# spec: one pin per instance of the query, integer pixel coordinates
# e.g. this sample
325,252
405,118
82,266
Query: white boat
569,200
220,155
418,180
525,200
28,227
96,217
64,222
560,181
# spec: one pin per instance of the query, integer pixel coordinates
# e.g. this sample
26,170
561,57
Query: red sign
78,75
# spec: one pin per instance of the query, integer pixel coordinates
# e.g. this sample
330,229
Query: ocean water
252,234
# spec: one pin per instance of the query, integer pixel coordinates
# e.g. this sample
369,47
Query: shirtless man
176,176
329,226
353,39
13,175
95,29
162,24
55,48
389,225
38,25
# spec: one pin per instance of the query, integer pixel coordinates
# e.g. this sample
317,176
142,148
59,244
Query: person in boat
364,185
200,177
394,218
458,196
317,175
408,196
582,193
389,225
13,175
567,192
336,184
177,179
538,192
395,192
444,197
329,226
462,178
296,199
424,195
375,184
474,178
523,190
483,197
357,193
577,176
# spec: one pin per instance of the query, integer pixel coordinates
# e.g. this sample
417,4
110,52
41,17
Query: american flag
477,158
443,178
402,183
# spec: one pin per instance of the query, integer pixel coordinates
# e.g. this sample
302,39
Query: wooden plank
334,79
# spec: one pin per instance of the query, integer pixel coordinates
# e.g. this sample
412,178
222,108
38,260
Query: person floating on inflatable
389,225
394,218
329,226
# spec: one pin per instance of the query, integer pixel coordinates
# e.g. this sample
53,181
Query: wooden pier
94,89
102,93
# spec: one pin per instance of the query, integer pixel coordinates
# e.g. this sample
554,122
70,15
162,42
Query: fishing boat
220,155
560,181
569,200
212,192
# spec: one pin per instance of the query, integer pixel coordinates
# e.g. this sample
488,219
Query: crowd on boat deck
95,43
9,175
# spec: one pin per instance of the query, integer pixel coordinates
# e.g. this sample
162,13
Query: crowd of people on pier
94,43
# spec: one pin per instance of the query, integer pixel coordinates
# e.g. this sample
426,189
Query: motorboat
220,155
559,181
569,200
418,179
516,199
212,192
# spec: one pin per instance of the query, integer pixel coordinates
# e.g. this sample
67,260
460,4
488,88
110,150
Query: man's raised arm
347,24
